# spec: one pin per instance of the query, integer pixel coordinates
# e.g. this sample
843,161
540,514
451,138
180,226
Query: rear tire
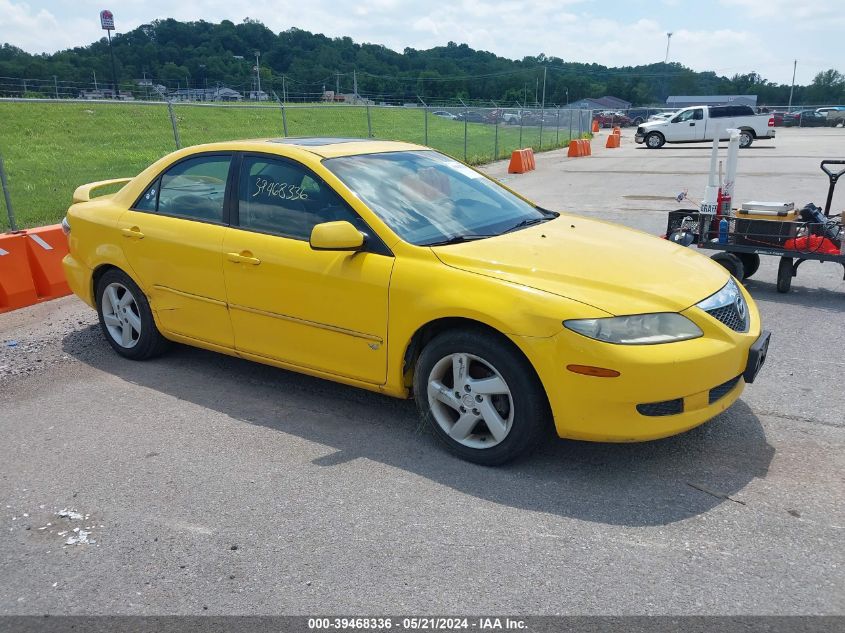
126,318
750,263
785,273
731,263
480,397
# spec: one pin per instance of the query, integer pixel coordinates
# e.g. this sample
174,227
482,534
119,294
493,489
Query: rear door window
195,188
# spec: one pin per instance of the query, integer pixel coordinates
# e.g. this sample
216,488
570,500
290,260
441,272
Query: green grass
49,149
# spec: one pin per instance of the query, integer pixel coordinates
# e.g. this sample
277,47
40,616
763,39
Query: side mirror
336,236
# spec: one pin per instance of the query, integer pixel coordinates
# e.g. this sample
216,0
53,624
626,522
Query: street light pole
668,41
792,87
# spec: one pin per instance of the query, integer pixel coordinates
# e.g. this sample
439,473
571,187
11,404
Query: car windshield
427,198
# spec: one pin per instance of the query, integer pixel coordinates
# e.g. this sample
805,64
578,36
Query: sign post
107,24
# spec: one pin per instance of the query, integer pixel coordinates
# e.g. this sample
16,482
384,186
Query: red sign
107,20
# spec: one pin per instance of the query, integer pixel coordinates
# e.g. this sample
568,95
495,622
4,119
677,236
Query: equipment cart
741,235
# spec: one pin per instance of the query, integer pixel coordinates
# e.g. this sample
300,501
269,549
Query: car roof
325,147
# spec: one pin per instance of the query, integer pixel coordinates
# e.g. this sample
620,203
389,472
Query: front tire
126,318
746,138
480,397
654,140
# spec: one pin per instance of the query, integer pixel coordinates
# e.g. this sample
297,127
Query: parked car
834,115
638,115
443,114
662,116
612,119
778,115
704,123
470,117
804,118
393,268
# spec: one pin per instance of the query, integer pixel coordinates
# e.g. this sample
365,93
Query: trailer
741,236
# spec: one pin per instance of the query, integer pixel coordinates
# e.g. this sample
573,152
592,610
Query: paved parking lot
208,484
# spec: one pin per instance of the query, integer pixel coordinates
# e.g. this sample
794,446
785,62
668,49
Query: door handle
134,233
692,124
244,257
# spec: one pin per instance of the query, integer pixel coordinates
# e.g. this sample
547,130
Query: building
207,94
602,103
258,95
685,101
105,93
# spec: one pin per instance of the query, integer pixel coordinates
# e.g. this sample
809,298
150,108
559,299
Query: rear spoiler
83,192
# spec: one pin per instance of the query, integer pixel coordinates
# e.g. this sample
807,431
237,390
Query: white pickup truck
704,123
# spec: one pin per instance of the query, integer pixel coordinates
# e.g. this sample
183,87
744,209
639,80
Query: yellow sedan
391,267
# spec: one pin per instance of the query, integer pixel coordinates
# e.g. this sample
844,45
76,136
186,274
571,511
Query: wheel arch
102,269
426,332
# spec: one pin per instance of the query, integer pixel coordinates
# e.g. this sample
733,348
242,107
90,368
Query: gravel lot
207,484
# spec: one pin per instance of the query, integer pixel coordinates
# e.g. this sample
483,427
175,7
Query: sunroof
316,142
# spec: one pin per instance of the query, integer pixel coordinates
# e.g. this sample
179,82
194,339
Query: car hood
610,267
653,124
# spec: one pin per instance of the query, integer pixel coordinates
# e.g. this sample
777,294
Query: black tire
750,263
654,140
144,344
525,404
746,138
637,121
731,263
785,274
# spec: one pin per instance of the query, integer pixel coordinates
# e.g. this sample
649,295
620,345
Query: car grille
730,316
717,393
658,409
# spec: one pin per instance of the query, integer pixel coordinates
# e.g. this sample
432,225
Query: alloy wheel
470,400
121,315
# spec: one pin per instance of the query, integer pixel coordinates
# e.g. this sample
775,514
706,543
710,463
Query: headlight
728,295
637,329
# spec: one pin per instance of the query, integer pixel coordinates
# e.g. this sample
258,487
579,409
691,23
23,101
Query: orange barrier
579,147
31,267
595,127
617,131
17,288
522,160
46,247
613,140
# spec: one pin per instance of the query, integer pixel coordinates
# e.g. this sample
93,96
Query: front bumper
639,138
707,375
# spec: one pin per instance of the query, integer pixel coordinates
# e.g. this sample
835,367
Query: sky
726,36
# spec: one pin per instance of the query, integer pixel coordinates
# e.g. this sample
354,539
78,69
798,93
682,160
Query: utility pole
95,81
355,83
543,107
792,87
337,83
257,76
536,88
284,91
56,86
668,41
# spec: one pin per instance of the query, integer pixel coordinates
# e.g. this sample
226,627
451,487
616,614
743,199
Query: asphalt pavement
202,484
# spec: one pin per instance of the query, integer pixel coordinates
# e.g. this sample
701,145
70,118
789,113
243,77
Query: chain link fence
50,147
